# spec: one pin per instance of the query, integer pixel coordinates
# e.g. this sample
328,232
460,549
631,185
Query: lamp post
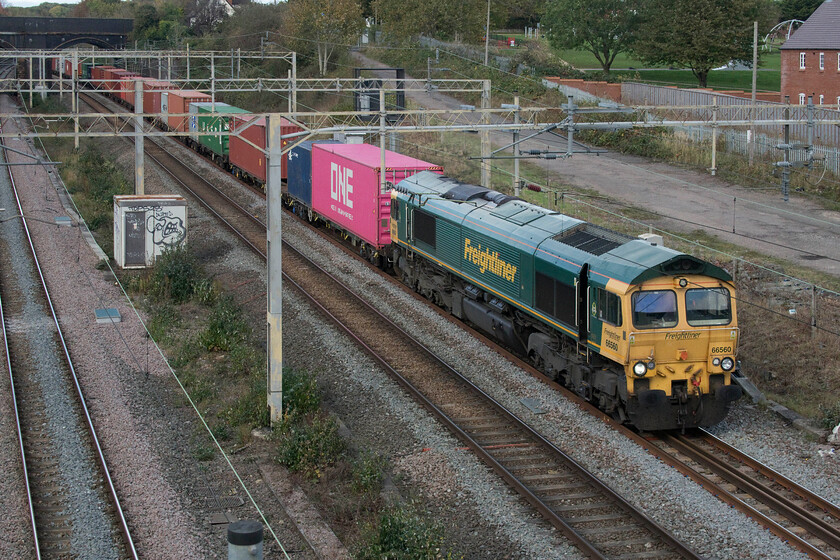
487,37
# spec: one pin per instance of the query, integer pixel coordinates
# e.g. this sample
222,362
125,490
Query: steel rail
816,526
780,479
20,435
100,456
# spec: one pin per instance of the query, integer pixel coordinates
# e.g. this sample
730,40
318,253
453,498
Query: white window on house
802,61
821,99
822,61
838,102
802,99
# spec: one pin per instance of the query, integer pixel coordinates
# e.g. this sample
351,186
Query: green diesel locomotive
647,333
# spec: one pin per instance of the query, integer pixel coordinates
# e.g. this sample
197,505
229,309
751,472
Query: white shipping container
145,226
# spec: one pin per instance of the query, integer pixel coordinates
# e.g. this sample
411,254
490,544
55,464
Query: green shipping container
202,121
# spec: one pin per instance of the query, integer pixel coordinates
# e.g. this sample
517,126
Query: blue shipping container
299,171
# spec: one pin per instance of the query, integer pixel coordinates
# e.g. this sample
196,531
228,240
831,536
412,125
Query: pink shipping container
177,102
346,190
246,157
151,95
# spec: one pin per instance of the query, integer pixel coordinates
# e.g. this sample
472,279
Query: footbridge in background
46,33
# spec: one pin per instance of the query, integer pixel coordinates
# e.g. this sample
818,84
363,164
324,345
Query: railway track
62,461
574,501
790,511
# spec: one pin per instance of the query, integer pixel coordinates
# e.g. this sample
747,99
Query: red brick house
811,58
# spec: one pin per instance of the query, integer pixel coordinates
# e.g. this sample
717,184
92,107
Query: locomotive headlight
640,369
727,364
716,362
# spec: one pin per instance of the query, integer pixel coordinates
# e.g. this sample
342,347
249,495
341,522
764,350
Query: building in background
811,58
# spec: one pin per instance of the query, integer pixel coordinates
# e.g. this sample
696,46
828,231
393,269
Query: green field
767,80
631,68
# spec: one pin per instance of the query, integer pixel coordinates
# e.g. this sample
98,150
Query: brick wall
613,91
810,81
598,89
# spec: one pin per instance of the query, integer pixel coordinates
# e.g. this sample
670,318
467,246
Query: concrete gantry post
294,84
516,185
74,92
485,135
274,315
213,82
570,126
382,117
713,169
139,168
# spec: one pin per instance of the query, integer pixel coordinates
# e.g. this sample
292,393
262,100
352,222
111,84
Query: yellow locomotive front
680,351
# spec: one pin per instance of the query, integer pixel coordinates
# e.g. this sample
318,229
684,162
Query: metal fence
740,142
730,107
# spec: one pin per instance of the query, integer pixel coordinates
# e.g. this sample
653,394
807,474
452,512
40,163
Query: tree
328,24
602,27
444,19
701,34
146,22
525,13
797,9
99,8
204,15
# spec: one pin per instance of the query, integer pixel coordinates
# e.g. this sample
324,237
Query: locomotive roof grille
592,239
465,193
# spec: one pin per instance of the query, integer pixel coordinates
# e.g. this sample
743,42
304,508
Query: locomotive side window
608,308
424,228
655,309
708,306
395,209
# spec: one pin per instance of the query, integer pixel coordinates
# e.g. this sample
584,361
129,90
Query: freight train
648,334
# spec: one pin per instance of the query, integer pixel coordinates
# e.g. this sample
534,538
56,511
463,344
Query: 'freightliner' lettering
487,261
682,336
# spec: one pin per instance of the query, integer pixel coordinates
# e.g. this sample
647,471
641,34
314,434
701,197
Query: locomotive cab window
395,209
607,307
424,228
708,306
655,309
